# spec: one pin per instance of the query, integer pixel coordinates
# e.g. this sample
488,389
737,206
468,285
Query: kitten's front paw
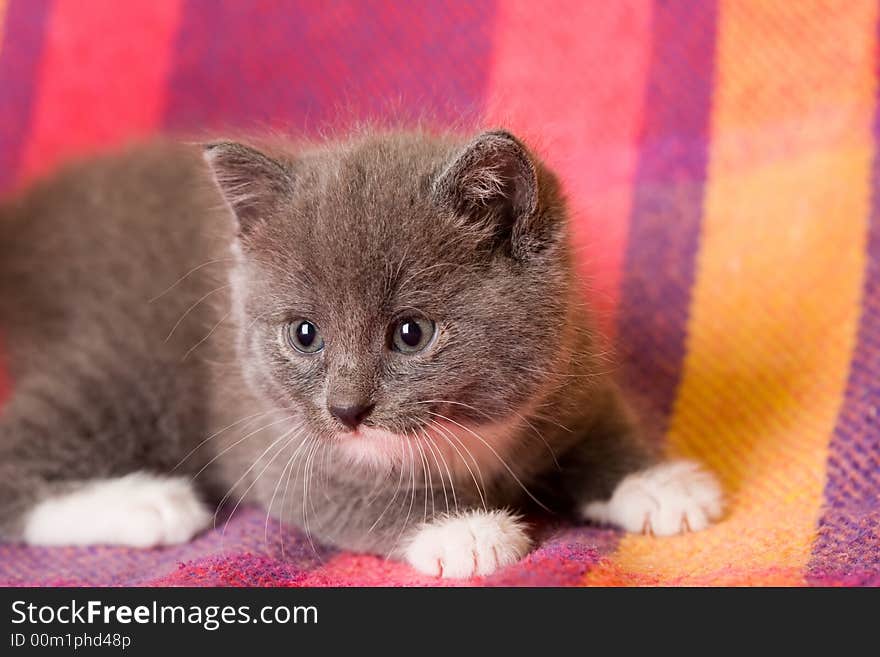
137,510
668,498
473,543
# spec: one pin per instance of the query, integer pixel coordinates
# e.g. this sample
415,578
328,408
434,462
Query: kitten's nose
351,416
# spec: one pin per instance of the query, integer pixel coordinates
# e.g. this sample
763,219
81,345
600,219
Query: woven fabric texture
721,161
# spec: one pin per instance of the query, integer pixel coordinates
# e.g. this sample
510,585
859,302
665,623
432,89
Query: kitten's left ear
252,183
493,186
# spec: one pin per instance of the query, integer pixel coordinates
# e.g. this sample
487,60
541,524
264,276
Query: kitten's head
399,284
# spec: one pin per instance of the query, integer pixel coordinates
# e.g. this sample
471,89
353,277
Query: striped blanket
720,160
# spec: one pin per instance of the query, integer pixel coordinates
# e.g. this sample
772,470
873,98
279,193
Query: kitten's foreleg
466,544
668,498
137,510
614,479
55,490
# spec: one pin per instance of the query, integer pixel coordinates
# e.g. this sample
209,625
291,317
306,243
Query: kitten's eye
412,334
304,337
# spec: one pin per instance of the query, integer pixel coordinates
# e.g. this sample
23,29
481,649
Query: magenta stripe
300,66
24,29
667,208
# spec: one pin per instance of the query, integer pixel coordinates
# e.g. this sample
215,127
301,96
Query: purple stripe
667,206
668,201
234,554
24,28
847,548
301,66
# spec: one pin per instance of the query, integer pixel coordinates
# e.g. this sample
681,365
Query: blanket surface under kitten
380,339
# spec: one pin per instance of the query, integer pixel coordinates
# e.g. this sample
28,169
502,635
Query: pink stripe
102,78
574,88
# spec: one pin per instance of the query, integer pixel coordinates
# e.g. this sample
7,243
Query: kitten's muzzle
351,415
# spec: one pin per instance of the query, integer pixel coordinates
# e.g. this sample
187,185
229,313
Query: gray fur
99,263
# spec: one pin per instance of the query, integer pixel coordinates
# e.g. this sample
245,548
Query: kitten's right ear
252,183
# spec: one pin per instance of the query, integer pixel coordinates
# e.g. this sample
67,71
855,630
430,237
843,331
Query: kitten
379,339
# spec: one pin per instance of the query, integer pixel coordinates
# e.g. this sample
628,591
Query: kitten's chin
446,448
371,447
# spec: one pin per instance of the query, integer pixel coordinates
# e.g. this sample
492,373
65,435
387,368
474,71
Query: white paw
473,543
669,498
138,510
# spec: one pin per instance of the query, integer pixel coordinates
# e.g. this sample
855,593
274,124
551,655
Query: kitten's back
85,256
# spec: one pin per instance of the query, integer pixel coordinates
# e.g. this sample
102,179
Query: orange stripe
102,78
2,17
575,89
3,6
775,305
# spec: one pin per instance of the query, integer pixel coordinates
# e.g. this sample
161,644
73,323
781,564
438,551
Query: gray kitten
380,339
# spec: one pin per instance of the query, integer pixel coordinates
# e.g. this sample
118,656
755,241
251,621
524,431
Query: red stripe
102,77
571,80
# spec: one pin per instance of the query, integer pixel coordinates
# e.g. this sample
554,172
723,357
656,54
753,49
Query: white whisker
224,429
241,440
430,446
187,274
427,477
498,456
287,465
284,496
390,502
210,333
192,307
306,481
246,472
443,435
484,414
412,498
257,478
